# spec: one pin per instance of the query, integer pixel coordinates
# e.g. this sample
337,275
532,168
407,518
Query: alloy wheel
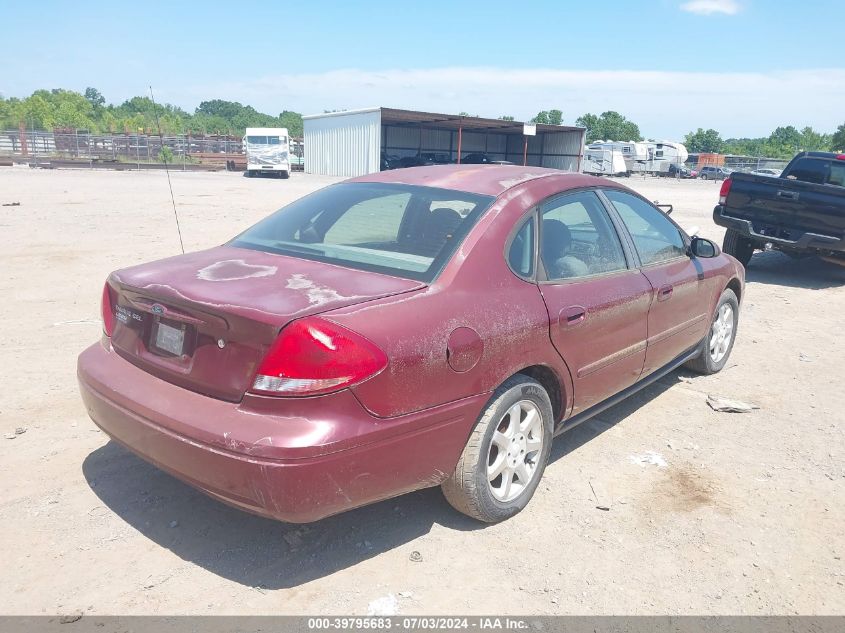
721,333
515,451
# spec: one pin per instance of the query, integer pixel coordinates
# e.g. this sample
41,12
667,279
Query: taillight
107,310
840,157
725,190
313,356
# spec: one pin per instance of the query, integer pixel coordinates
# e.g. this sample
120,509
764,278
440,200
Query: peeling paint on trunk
233,270
316,293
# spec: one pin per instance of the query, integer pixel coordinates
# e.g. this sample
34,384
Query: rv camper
633,153
603,161
661,154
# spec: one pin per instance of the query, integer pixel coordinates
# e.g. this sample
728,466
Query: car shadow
776,268
575,438
248,549
267,554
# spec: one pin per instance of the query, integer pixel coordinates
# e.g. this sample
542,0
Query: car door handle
573,315
789,195
665,292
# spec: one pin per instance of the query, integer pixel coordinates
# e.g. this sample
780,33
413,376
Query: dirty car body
343,350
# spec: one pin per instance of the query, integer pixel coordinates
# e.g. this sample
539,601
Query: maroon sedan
412,328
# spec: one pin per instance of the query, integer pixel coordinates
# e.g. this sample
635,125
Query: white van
267,149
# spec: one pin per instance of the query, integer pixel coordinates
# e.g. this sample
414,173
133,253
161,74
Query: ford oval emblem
158,309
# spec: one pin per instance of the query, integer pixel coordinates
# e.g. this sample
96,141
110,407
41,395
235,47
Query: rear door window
577,238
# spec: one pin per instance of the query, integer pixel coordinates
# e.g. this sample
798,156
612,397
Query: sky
742,67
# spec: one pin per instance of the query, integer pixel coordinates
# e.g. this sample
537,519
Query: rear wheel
717,345
505,456
703,176
740,247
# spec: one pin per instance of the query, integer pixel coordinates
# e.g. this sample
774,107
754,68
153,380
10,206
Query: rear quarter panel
476,291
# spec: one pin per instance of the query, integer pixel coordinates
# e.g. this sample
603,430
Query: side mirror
701,247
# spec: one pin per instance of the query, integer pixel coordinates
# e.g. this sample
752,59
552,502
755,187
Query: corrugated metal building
353,143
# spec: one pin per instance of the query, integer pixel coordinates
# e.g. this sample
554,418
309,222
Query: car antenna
167,170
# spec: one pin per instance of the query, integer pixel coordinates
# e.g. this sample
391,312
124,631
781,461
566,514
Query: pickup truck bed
785,212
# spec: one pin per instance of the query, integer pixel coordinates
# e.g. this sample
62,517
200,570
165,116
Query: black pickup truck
800,211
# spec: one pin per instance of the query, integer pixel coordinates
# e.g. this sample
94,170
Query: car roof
491,180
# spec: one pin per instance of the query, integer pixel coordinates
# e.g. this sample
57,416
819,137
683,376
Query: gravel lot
710,513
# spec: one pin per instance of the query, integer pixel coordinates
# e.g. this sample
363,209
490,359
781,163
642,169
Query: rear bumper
263,167
804,241
295,460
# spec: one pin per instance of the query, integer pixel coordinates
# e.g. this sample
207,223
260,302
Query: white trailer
603,161
267,149
633,153
661,154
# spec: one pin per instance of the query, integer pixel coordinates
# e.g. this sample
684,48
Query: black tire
704,363
285,175
738,246
703,176
467,489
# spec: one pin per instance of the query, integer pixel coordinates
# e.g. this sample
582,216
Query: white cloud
709,7
664,104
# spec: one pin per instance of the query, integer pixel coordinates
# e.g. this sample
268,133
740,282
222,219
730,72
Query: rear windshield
403,230
821,171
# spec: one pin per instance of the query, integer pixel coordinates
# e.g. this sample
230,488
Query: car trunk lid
205,320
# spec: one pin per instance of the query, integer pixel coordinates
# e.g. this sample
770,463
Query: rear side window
655,236
837,174
521,253
404,230
809,170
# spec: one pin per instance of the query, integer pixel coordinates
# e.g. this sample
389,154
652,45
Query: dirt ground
710,513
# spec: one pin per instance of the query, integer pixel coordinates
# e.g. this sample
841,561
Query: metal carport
351,143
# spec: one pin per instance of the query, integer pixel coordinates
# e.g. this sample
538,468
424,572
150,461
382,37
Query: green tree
609,125
837,140
813,141
592,123
707,141
95,98
292,121
785,141
165,155
550,117
745,146
541,117
219,107
506,117
37,111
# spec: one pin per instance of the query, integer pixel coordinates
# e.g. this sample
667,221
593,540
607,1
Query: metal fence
748,163
737,163
128,148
